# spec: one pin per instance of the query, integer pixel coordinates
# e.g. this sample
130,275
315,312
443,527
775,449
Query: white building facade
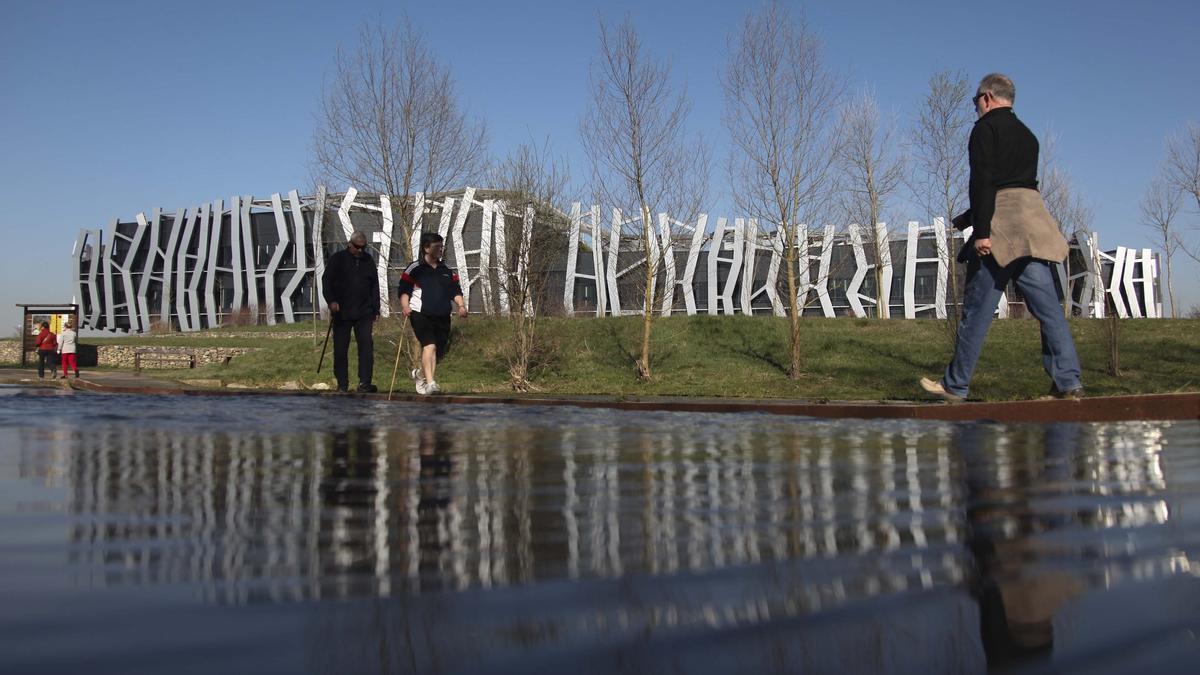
259,260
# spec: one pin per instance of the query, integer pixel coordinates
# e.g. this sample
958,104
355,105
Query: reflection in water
1056,511
478,542
368,510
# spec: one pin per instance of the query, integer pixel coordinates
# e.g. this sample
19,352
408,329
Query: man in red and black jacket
428,291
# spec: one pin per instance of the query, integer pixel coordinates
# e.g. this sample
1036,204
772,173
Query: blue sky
113,108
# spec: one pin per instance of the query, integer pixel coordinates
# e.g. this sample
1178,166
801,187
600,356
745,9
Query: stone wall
122,356
10,352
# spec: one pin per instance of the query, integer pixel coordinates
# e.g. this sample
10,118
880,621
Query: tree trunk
952,301
1171,289
643,363
792,256
1112,333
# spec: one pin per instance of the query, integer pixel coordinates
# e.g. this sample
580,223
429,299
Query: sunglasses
976,97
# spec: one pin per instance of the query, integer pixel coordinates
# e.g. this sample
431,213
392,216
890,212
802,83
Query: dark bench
163,357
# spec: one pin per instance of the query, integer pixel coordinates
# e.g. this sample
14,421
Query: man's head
994,91
357,242
432,244
46,325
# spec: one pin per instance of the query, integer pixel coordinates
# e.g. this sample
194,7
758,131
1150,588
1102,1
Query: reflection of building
659,537
370,510
260,260
618,531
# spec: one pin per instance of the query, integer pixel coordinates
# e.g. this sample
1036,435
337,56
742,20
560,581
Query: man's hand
462,311
983,247
334,307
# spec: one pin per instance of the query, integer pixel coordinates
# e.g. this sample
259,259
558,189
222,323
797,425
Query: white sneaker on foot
416,375
433,388
935,388
421,388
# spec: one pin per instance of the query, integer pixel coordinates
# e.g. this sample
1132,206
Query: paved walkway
1185,406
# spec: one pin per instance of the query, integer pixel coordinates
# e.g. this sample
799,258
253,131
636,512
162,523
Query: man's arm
404,289
456,293
375,304
328,283
982,187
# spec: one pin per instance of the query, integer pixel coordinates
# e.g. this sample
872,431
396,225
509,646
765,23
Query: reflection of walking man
351,288
1020,581
428,289
1014,238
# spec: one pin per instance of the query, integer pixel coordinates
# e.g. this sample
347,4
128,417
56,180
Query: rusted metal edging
1182,406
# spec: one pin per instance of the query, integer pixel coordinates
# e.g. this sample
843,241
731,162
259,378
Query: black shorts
431,330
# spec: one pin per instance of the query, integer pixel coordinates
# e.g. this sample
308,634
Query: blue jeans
985,283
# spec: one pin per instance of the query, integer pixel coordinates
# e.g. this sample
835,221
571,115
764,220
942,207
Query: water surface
263,534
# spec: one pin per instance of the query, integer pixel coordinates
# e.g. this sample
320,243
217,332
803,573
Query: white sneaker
433,388
421,388
416,375
936,388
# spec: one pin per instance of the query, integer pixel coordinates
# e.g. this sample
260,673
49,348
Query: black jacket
1003,153
431,290
353,283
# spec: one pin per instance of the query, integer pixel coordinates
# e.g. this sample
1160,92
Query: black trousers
43,359
341,349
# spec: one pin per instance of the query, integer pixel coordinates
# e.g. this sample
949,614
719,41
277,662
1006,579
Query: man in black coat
351,289
1005,205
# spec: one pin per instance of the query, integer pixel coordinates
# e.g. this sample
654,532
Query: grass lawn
736,356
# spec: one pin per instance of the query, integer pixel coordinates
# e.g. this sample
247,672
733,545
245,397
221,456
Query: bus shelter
35,314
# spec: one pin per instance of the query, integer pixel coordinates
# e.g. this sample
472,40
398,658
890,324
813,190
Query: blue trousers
985,283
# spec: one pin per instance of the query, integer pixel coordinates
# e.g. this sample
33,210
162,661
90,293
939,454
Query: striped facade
260,260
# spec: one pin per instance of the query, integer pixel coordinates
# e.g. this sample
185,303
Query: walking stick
399,347
326,343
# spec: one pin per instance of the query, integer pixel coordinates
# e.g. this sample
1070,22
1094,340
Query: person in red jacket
47,345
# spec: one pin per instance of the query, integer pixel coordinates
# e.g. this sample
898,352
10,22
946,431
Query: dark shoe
1071,395
342,389
367,388
935,388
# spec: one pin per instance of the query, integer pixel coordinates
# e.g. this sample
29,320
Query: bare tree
1062,200
871,168
391,124
1160,205
938,147
779,97
1183,161
1066,205
642,162
535,182
1182,169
